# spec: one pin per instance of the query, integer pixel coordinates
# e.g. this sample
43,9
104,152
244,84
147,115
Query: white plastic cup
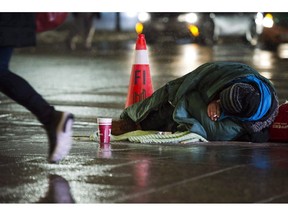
104,129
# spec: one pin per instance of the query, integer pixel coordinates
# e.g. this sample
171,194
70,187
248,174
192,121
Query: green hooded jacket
190,95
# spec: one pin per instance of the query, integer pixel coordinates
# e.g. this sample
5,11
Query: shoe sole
63,138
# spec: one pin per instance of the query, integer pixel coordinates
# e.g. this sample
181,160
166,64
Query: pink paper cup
104,129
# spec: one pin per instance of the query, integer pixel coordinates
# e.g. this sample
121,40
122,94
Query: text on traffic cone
140,80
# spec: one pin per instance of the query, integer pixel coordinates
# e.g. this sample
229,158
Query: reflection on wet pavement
58,192
95,84
143,173
104,150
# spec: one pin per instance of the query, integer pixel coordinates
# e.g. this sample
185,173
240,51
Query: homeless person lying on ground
221,101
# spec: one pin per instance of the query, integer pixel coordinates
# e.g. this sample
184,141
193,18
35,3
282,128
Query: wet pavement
95,83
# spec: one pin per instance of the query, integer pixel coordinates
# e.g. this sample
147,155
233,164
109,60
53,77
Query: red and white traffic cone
140,80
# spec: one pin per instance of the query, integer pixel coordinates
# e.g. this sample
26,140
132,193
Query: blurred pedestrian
82,30
220,101
18,30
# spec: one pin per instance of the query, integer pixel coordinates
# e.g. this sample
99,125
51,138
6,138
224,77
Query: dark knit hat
240,99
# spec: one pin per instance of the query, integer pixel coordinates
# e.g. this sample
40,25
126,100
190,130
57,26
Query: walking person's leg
57,124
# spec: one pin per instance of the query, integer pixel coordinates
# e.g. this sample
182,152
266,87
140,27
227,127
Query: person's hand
213,110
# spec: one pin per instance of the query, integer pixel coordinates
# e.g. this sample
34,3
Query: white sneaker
60,136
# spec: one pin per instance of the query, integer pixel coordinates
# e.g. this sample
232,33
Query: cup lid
104,120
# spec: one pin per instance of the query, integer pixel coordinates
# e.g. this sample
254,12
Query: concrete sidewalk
88,86
213,172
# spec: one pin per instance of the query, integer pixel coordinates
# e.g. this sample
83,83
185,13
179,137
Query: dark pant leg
161,119
21,91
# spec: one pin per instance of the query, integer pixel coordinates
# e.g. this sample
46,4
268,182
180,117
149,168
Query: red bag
279,129
49,20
